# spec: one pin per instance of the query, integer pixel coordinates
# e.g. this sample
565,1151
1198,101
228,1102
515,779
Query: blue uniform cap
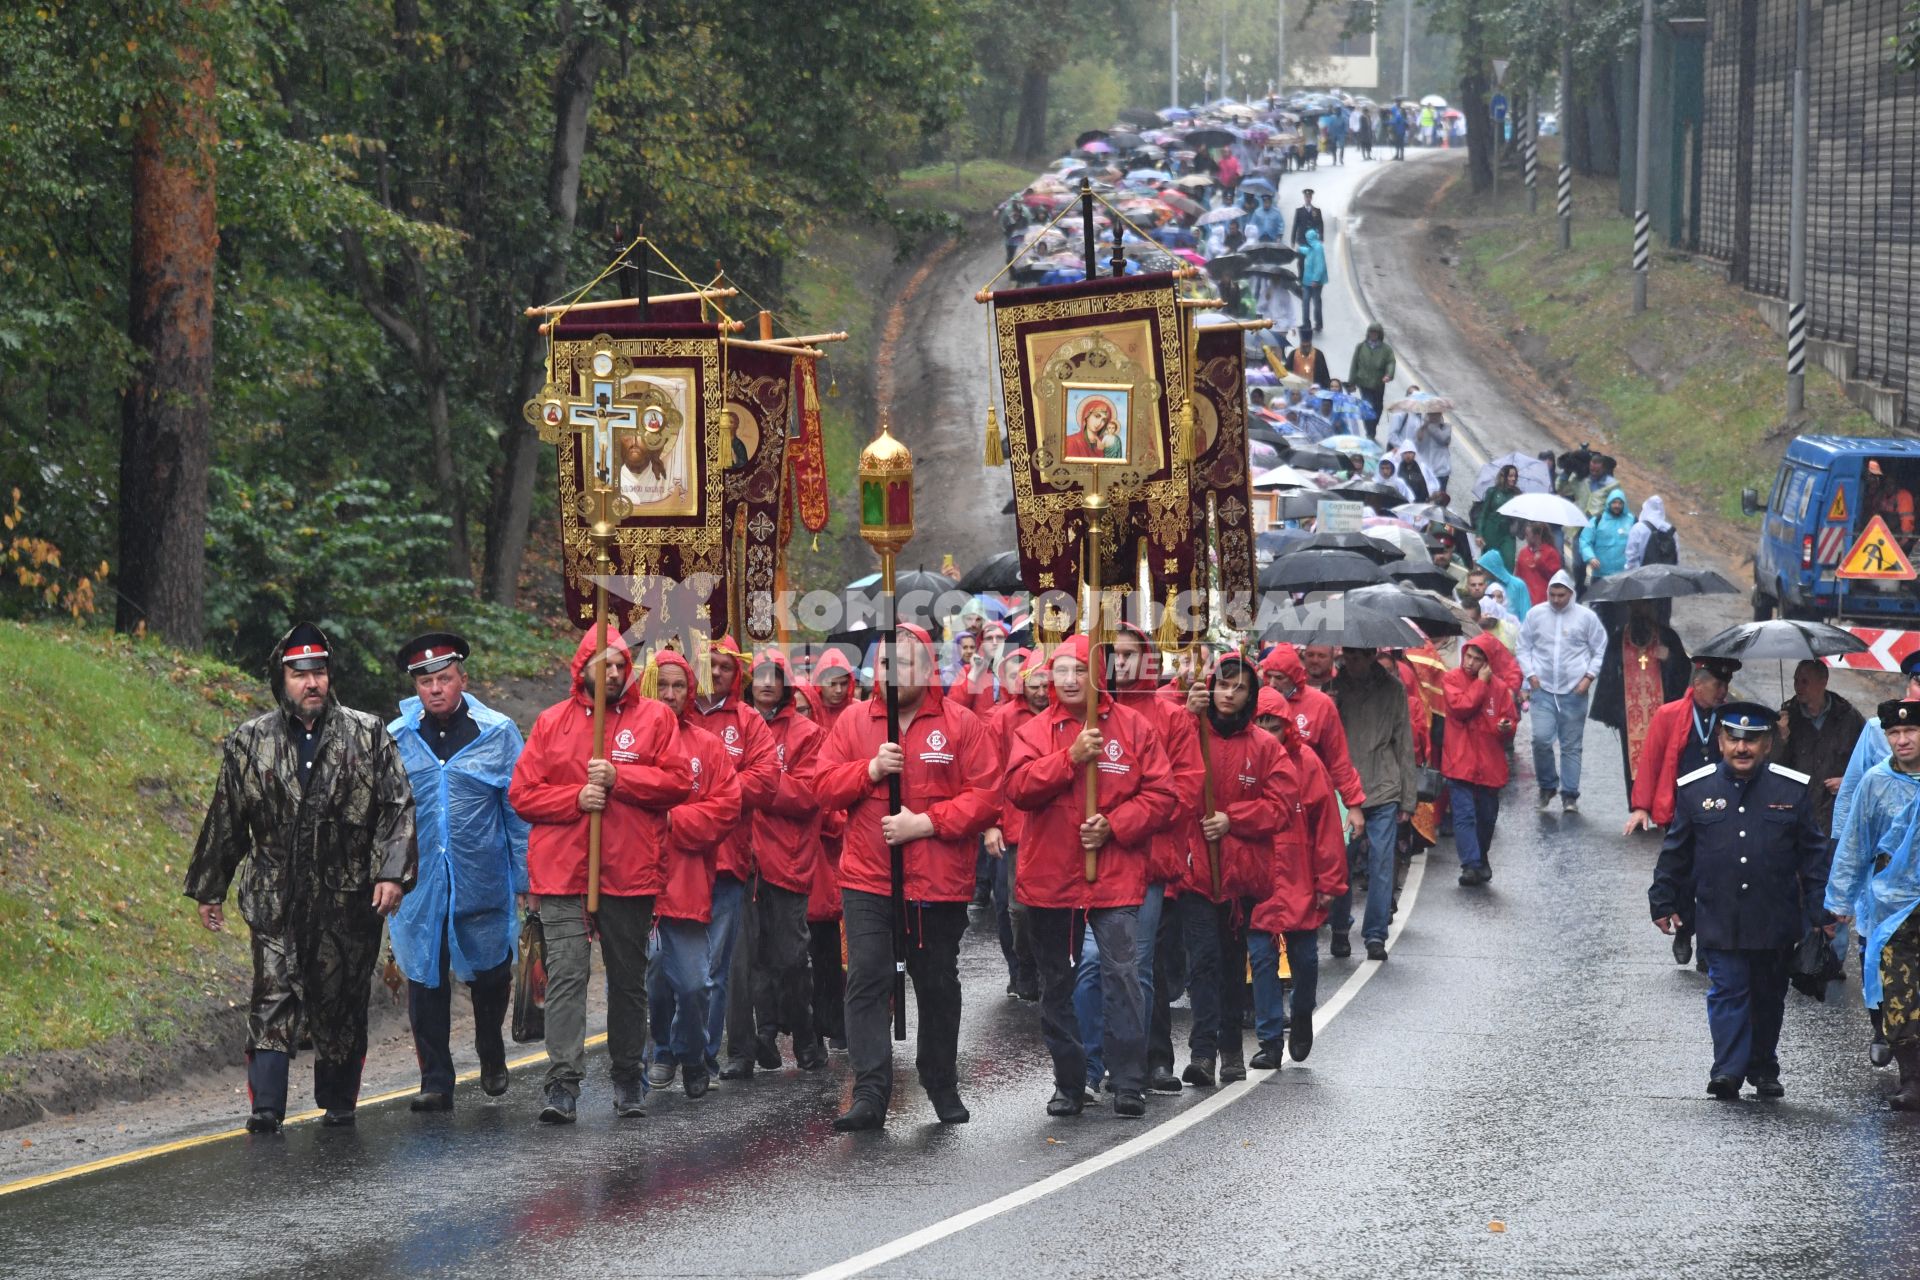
1746,719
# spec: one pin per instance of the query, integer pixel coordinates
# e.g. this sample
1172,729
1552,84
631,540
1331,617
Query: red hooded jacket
1177,843
833,660
1658,777
696,826
741,729
1310,854
1476,748
952,775
1002,726
786,829
1317,719
651,775
1134,793
1253,786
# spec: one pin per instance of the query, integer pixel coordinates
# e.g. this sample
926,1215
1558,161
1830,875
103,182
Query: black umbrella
1321,571
1308,456
1424,576
922,597
1660,582
1091,135
1141,117
1271,435
1226,266
1208,137
1358,543
1781,639
998,573
1271,255
1299,506
1277,542
1008,509
1381,497
1271,271
1430,613
1357,626
1120,140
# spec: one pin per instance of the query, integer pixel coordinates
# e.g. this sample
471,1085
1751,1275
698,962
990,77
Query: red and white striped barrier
1886,647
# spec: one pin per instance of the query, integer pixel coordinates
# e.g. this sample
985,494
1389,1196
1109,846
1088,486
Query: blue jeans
1303,958
1383,830
1746,1002
1311,310
729,901
1086,984
1561,718
677,992
1124,1013
1475,810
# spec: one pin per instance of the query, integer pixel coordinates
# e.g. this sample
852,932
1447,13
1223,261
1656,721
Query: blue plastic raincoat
1313,260
1518,598
1869,817
1605,539
473,849
1891,896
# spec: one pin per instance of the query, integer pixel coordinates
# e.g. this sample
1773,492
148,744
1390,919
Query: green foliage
1906,43
363,563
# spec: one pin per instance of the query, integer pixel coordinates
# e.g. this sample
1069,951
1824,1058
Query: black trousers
934,930
829,979
769,990
1216,938
1168,952
430,1012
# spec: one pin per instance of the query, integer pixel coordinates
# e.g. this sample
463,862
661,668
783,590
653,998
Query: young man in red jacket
727,714
1309,872
1252,802
677,969
1318,722
832,674
778,992
555,786
1003,839
950,778
1134,797
1479,726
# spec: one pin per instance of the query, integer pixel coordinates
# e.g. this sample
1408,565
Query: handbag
1430,786
530,983
1814,965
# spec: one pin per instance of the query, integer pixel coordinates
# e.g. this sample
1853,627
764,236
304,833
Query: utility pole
1280,47
1406,51
1565,194
1223,53
1643,163
1797,223
1173,61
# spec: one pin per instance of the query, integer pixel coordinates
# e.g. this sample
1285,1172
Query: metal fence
1862,221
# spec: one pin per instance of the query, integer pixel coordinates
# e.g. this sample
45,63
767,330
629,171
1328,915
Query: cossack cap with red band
305,648
434,651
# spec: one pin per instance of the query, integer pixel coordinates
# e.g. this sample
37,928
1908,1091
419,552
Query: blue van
1827,490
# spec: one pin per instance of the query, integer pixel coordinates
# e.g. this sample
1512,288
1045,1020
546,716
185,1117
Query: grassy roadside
1694,389
107,750
838,282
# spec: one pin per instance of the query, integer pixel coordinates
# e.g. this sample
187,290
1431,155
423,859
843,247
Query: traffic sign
1876,556
1838,511
1499,106
1888,649
1500,70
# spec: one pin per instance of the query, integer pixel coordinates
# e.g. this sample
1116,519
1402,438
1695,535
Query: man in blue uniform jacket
1746,860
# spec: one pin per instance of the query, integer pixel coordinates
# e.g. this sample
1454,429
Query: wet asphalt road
1529,1055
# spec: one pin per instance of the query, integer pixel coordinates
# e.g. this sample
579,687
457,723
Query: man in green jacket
1371,369
1373,711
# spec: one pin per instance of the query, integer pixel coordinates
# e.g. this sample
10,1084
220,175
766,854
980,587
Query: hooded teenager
677,969
833,676
950,780
1309,873
1003,839
778,993
1134,797
1253,797
555,787
1603,543
1480,724
313,798
729,716
1517,598
1317,721
1561,646
1127,671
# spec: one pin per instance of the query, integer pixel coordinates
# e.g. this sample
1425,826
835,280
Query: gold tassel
1167,635
650,678
995,458
816,542
1184,439
813,395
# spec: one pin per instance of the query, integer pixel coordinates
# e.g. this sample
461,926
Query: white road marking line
1159,1134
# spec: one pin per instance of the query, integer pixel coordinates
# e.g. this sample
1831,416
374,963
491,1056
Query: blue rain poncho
1852,859
1891,896
1518,600
473,850
1605,537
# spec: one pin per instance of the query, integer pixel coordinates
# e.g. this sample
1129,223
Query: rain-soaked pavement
1517,1091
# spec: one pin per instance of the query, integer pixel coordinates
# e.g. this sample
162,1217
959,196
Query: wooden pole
1093,504
602,533
607,304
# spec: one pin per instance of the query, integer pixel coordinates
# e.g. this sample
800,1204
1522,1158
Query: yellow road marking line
185,1144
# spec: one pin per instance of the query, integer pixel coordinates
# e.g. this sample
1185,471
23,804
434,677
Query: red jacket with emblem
697,825
1310,855
744,733
1006,721
1178,842
832,660
1318,721
651,775
1476,747
786,829
1253,787
952,775
1134,793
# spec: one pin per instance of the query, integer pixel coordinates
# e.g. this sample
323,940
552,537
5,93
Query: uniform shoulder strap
1795,774
1703,771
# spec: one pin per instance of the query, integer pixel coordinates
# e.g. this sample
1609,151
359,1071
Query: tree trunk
512,505
164,435
445,476
1030,128
1481,139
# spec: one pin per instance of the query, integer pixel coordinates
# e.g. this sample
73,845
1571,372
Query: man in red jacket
950,777
1310,871
1252,800
677,969
1680,739
1318,721
1003,838
555,786
1134,797
832,674
1480,724
729,716
777,994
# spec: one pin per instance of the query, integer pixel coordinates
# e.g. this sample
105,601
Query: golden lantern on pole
886,525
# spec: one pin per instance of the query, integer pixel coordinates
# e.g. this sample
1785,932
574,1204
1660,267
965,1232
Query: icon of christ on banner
655,453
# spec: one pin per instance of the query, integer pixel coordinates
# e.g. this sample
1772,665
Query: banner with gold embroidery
759,410
808,457
1222,494
1093,375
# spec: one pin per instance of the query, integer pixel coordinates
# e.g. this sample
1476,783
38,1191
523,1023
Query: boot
266,1090
1267,1058
629,1099
1233,1065
863,1115
1879,1052
947,1107
1199,1072
1907,1054
336,1087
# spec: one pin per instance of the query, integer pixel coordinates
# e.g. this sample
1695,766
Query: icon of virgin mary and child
1099,428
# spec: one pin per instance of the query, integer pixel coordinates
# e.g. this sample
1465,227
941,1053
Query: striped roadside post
1642,255
1566,205
1531,155
1797,340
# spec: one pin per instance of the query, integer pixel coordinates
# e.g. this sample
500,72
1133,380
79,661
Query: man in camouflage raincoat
313,797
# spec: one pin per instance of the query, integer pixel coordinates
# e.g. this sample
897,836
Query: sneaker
1544,802
660,1073
1376,950
1570,804
628,1099
1340,945
560,1106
